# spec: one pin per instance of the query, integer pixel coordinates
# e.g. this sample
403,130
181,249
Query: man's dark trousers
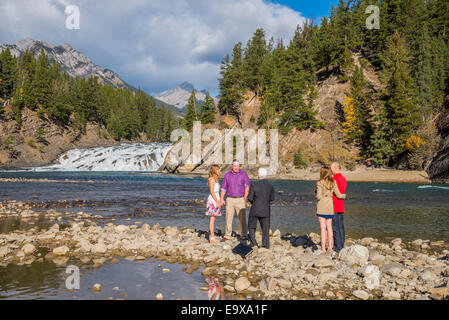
265,225
338,229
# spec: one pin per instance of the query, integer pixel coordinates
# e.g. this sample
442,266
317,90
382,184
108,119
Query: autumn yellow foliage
351,125
414,142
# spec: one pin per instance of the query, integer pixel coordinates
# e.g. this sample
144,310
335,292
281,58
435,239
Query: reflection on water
216,291
125,280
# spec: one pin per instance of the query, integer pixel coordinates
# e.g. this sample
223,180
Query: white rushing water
125,157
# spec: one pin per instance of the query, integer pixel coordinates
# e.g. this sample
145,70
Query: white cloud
154,44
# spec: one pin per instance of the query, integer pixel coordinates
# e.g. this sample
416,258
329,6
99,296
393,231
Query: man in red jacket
339,208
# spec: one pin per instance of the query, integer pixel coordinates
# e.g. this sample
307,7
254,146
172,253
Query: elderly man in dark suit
261,193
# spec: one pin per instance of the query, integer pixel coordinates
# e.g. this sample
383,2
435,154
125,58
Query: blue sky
157,44
315,8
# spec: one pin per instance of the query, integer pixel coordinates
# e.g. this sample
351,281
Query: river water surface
379,210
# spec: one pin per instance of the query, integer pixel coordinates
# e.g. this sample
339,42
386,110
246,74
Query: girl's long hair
213,172
326,177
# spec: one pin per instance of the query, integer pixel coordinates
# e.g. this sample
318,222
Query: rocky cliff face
439,168
39,141
71,61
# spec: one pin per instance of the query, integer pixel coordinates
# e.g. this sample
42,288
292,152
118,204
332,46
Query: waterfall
125,157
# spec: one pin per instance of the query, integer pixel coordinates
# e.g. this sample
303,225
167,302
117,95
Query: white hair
262,173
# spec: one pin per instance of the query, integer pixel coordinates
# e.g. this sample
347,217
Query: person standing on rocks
261,194
325,188
339,208
212,204
236,184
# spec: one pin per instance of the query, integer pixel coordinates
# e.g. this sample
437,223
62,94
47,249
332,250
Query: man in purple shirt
236,185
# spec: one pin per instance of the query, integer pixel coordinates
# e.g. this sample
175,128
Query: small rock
229,288
372,276
165,270
366,241
28,249
97,287
159,296
241,284
171,231
61,251
361,294
428,276
121,228
392,295
323,261
405,274
393,269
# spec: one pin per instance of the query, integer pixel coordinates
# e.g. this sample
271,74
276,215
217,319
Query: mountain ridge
75,63
178,96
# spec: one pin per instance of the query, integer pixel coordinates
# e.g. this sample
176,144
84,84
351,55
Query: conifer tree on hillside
207,110
42,81
255,52
7,73
400,109
192,112
231,82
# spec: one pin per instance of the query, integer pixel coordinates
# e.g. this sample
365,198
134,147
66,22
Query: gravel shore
364,269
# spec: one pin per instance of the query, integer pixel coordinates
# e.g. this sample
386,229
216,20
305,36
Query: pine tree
340,31
255,52
7,73
324,45
207,110
400,103
231,82
42,80
299,81
192,112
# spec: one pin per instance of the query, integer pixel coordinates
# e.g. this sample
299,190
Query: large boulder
355,254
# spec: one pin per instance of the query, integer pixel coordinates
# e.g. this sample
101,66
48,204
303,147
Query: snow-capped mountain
71,61
179,95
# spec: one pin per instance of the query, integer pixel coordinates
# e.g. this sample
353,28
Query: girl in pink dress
212,204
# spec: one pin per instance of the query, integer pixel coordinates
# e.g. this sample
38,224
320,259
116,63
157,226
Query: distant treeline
410,52
40,85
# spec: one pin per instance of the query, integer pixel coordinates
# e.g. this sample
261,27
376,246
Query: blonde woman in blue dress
213,204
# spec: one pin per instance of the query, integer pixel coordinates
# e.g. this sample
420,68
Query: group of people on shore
236,185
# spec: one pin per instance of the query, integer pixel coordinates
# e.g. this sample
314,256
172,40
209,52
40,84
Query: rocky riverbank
365,269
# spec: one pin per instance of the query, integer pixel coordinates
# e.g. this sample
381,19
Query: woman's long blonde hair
326,177
213,172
